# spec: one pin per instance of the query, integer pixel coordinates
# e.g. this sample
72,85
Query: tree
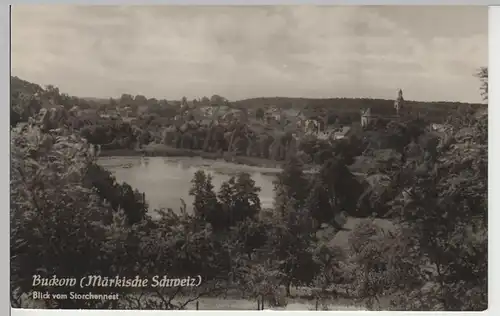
261,279
347,149
163,103
217,100
56,221
445,212
381,257
205,203
126,99
53,95
139,100
482,74
397,136
132,202
331,261
14,118
259,114
239,198
318,202
290,239
185,249
290,185
24,106
120,196
334,190
250,236
376,198
112,102
205,101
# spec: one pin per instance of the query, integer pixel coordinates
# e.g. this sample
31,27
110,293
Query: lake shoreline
167,151
159,150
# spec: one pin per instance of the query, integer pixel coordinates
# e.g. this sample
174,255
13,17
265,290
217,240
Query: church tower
398,104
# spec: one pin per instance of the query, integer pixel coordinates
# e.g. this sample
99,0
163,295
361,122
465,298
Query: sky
241,52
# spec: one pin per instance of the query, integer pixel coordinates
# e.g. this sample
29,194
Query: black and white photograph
256,157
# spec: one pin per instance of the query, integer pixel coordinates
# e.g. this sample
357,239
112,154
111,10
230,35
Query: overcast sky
241,52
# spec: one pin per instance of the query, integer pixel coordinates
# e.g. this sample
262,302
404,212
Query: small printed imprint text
36,295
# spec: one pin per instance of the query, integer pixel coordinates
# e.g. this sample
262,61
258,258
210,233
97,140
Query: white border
5,143
494,151
494,100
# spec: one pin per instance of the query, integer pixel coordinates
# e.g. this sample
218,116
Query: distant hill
96,100
20,85
20,88
352,106
48,96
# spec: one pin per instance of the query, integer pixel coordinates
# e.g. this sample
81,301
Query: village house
219,111
273,113
290,114
324,135
206,122
300,120
314,126
142,109
90,112
368,117
341,133
110,114
197,113
126,111
88,116
439,127
332,133
310,126
208,111
291,117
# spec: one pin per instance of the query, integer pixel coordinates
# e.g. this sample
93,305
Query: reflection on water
167,180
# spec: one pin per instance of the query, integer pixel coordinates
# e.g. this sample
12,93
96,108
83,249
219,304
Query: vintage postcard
249,157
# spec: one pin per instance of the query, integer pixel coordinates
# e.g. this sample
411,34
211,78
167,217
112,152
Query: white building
342,133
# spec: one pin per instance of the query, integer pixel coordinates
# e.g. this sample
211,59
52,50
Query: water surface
167,180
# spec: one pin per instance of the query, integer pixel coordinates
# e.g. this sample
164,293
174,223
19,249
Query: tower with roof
399,102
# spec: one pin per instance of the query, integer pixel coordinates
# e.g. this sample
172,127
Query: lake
167,180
